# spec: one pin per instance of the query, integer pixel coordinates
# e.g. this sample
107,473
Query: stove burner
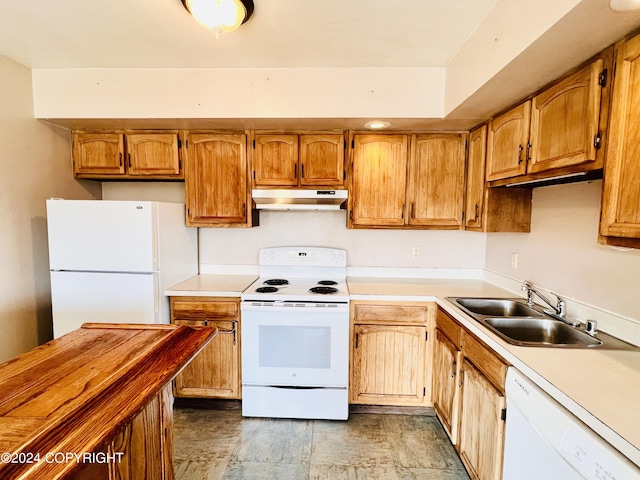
266,289
324,290
327,282
276,281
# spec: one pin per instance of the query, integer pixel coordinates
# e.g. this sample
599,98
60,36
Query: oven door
295,344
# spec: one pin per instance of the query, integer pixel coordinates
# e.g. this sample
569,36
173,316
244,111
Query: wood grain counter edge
113,405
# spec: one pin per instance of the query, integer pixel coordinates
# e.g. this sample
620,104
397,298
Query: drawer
203,309
390,314
485,360
449,327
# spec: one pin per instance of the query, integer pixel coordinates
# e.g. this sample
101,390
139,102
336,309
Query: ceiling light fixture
377,124
220,16
624,5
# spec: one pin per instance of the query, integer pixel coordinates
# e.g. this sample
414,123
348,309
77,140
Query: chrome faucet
557,310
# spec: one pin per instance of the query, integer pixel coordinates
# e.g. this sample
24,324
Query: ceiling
281,33
76,34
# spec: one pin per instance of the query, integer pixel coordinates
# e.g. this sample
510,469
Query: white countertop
601,387
212,286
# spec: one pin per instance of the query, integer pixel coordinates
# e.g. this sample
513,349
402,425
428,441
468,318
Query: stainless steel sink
497,307
517,323
540,331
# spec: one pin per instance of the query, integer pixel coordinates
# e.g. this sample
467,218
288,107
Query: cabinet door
216,180
475,179
322,160
98,153
388,365
153,154
565,121
446,367
436,180
214,372
379,173
275,160
621,194
481,434
507,142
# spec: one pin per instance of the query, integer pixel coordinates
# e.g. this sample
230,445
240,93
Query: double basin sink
519,324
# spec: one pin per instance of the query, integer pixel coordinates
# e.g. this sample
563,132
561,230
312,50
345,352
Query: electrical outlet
415,252
514,261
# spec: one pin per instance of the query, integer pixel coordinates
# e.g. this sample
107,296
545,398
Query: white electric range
295,335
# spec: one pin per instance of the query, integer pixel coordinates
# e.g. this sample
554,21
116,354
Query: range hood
299,199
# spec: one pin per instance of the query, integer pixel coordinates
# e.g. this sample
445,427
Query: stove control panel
299,256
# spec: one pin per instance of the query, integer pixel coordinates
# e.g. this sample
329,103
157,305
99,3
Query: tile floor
221,444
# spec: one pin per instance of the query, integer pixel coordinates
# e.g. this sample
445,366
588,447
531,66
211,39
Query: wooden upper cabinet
476,178
507,142
322,160
127,155
98,153
379,169
216,183
565,121
292,160
621,192
435,194
153,154
275,160
558,132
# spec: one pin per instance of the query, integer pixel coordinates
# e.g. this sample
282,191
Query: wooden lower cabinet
391,352
446,370
481,441
468,397
215,371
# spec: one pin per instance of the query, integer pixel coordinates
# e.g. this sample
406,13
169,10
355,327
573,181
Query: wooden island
95,403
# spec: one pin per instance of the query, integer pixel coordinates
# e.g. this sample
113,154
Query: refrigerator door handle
155,248
156,295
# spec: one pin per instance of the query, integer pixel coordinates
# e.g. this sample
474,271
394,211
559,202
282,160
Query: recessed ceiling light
377,124
624,5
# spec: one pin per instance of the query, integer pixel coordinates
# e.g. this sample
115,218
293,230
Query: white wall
365,248
239,93
36,164
562,254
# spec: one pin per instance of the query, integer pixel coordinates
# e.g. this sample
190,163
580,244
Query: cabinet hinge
602,78
503,414
597,140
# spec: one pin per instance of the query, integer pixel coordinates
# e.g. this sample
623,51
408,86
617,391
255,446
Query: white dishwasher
543,440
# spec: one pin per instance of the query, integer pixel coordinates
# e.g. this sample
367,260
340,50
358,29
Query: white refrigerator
111,261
